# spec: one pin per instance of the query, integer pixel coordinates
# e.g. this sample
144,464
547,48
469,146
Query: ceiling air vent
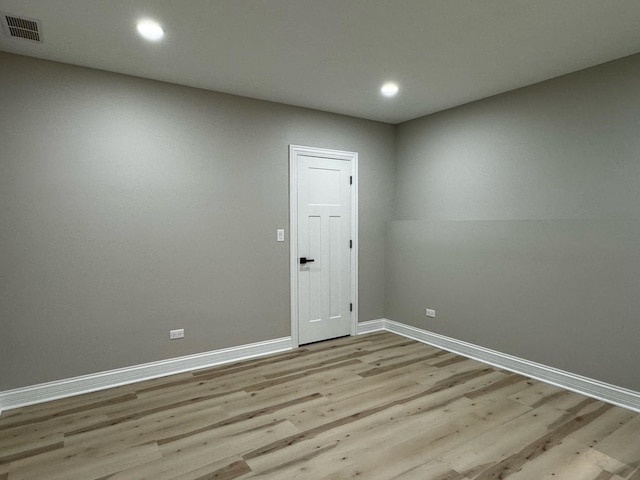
21,27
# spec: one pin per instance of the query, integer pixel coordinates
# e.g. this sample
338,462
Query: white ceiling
333,55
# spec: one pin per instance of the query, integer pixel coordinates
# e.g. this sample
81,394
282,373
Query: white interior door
324,245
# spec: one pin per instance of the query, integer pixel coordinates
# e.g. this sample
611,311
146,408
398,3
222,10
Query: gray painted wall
130,207
518,219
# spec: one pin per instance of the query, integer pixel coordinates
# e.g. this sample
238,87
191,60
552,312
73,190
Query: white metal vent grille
20,27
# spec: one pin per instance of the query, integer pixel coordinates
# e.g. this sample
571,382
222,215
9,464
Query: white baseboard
44,392
371,326
586,386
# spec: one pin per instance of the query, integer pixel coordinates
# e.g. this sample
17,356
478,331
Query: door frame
294,152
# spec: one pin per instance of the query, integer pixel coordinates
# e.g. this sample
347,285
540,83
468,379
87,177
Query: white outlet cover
431,313
173,334
280,235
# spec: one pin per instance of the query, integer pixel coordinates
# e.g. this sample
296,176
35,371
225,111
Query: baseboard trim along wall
587,386
371,326
44,392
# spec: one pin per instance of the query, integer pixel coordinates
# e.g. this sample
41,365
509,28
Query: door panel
336,301
324,221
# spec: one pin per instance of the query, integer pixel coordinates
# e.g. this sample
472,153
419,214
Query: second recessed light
150,30
389,89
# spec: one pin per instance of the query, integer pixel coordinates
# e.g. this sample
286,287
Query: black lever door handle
304,260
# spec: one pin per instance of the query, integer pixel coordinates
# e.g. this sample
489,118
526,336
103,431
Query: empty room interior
332,239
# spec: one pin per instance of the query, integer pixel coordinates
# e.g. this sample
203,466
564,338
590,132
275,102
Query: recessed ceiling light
150,30
389,89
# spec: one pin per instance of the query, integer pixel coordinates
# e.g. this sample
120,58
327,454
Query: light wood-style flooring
376,406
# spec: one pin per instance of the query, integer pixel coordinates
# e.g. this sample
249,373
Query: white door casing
323,223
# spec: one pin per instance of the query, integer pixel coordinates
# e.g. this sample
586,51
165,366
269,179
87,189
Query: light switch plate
280,235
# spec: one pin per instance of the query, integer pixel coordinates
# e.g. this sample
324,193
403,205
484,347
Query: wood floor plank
406,398
87,467
604,475
568,460
622,444
148,430
602,427
515,461
233,467
501,442
21,438
379,356
313,417
200,450
231,471
325,446
376,406
437,442
241,418
62,413
399,365
358,386
128,418
30,452
507,384
167,400
56,426
536,393
432,471
339,449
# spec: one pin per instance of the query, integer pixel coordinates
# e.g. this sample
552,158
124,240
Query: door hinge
351,307
350,180
350,243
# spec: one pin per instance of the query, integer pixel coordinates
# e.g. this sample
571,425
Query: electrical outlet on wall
179,333
431,313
